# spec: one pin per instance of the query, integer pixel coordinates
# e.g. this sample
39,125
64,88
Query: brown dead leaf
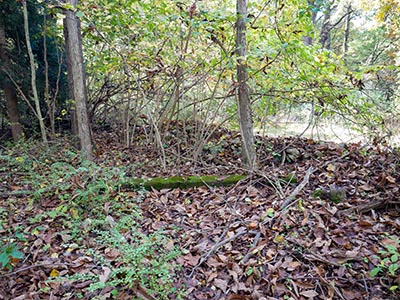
390,242
80,261
222,284
390,179
191,260
310,294
350,295
111,253
253,225
105,274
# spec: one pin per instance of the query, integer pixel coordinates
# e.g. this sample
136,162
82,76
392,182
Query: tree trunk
307,40
9,89
33,75
73,43
74,125
347,31
324,38
12,109
244,106
47,99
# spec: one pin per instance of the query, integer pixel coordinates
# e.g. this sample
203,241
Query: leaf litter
258,239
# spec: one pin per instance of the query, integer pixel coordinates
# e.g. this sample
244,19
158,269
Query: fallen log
182,182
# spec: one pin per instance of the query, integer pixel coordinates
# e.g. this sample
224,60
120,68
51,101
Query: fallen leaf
390,179
331,168
221,284
309,294
54,273
105,274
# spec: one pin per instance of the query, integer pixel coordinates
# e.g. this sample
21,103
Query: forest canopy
157,61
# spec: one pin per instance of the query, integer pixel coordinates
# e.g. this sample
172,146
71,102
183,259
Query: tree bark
47,98
244,106
325,33
74,125
308,40
9,89
347,31
76,77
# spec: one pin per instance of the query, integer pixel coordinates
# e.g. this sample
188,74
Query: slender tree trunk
73,42
347,31
33,74
9,89
244,106
47,97
308,40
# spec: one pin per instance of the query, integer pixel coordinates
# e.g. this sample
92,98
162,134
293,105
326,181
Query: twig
35,266
21,193
250,252
292,197
276,186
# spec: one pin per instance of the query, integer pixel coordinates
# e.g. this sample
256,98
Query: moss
181,182
319,194
289,179
336,195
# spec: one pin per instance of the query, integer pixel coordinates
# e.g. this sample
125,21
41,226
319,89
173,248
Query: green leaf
393,288
15,253
391,248
67,6
393,268
374,271
4,259
79,14
270,212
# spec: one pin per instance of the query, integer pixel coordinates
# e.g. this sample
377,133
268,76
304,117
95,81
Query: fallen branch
292,197
363,208
250,252
182,182
22,193
48,265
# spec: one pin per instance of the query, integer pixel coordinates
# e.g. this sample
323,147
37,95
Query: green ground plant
388,261
83,189
142,258
8,254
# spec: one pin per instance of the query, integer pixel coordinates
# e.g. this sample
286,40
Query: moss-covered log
182,182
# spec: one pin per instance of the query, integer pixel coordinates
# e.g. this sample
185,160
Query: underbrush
83,237
89,218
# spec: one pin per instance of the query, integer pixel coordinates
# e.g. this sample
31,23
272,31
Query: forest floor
317,220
